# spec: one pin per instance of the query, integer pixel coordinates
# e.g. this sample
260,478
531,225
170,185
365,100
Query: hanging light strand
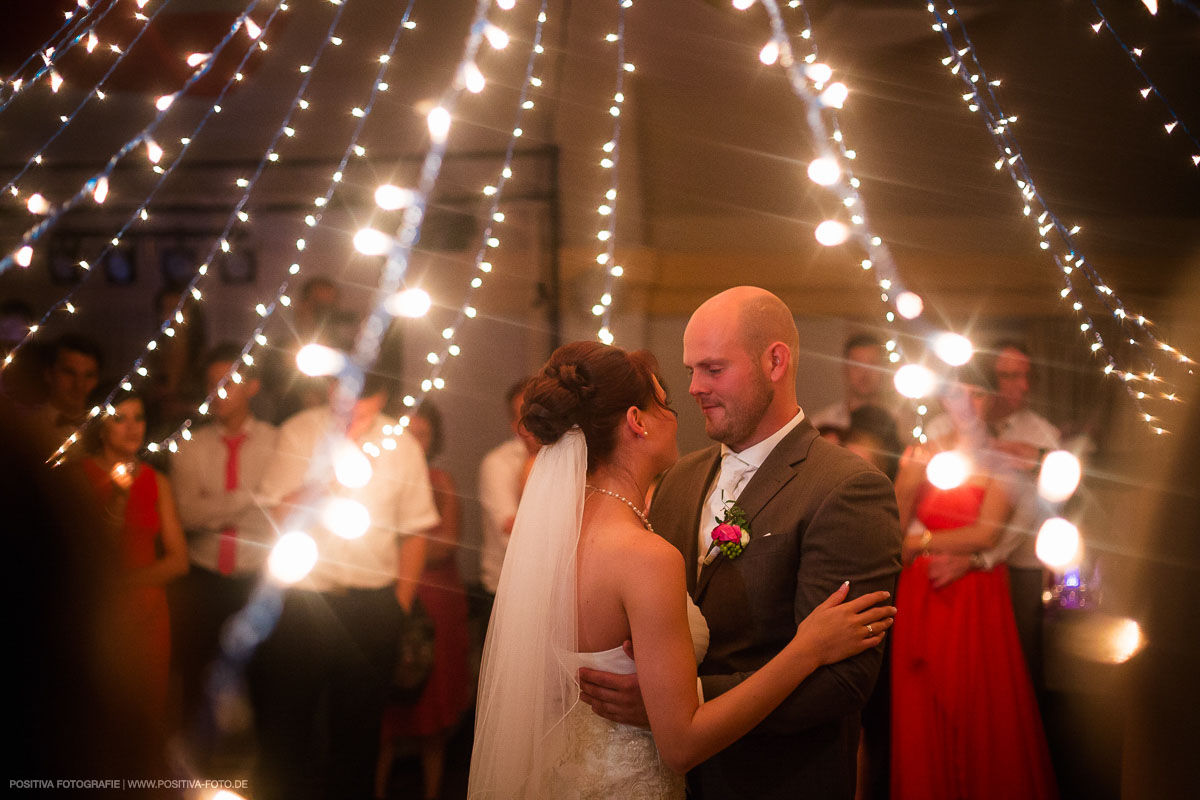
138,370
1135,58
832,169
95,91
145,135
450,348
268,307
140,214
54,49
1071,262
73,19
611,161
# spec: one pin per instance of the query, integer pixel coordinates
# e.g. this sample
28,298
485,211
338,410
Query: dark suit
818,515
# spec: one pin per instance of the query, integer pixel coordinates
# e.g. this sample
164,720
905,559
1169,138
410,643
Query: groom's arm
855,536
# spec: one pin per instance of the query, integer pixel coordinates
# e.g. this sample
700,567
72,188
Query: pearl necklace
624,500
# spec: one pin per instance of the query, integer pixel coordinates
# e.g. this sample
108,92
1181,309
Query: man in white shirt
501,478
863,376
335,641
216,477
1025,437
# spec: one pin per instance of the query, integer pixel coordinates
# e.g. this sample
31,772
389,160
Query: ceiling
714,145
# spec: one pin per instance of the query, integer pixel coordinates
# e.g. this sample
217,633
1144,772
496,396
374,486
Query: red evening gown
146,605
965,724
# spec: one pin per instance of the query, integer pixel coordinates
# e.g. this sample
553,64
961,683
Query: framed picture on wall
62,261
237,266
120,265
178,264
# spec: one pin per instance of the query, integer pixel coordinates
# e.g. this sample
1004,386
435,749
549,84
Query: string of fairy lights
55,48
265,309
65,120
610,160
832,169
1137,330
1149,87
482,261
140,215
97,186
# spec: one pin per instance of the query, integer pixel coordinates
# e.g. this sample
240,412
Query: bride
583,574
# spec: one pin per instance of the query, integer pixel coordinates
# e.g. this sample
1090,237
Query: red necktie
227,554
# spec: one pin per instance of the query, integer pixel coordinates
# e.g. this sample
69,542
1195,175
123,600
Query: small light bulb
371,242
914,381
953,348
345,518
1059,476
831,233
56,81
770,53
834,96
412,303
1058,543
196,59
23,256
252,28
153,151
818,73
37,204
390,198
948,469
100,192
351,468
317,359
742,5
439,124
292,557
472,78
824,171
496,37
909,305
164,102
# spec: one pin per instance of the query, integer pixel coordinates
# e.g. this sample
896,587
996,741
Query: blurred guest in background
863,378
216,477
447,694
320,681
140,511
72,372
872,435
1022,436
965,722
501,478
314,318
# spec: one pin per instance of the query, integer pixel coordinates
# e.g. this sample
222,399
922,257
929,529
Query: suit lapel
775,473
691,543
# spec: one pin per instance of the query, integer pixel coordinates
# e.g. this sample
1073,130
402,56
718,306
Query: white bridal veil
525,691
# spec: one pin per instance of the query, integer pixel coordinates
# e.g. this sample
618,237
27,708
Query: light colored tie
730,482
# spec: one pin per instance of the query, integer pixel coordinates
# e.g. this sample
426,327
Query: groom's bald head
759,319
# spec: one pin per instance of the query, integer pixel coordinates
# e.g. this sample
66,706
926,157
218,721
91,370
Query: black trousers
320,683
201,603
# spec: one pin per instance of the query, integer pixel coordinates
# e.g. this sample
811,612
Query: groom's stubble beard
743,413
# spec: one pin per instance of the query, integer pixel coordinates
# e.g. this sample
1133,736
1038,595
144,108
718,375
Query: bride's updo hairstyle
591,385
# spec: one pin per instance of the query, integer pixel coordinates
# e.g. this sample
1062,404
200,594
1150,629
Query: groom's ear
778,360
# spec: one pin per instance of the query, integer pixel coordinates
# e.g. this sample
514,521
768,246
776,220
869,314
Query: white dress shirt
499,493
398,497
736,471
1017,544
206,507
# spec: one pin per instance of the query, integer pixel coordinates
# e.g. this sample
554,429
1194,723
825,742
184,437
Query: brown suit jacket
818,515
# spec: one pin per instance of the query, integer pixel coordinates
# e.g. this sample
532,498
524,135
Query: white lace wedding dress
605,759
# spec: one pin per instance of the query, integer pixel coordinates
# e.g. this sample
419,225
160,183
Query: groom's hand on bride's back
617,698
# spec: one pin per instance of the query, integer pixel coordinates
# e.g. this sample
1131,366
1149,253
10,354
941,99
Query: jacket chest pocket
768,568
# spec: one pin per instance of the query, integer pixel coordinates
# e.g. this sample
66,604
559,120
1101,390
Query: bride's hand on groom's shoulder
838,629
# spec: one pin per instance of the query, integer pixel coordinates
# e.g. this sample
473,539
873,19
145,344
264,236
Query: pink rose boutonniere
731,535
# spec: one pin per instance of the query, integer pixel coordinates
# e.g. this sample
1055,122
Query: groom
818,515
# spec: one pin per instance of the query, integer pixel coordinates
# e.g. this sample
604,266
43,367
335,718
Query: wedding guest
313,319
217,476
872,435
864,380
71,375
447,694
1023,436
334,646
501,477
140,511
965,722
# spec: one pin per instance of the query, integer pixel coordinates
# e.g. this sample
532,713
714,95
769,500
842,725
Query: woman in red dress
140,509
447,693
965,724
